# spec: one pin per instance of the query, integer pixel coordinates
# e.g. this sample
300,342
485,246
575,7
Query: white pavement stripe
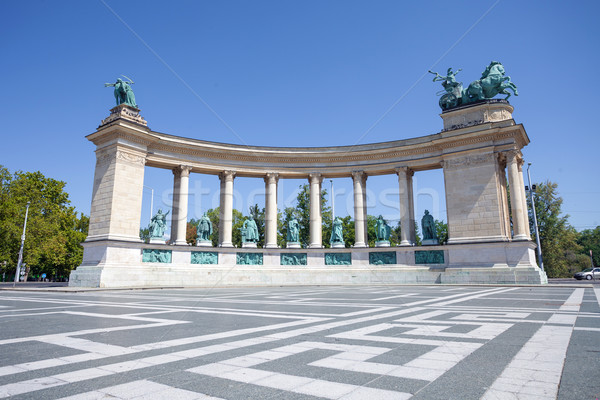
597,291
573,303
142,389
296,384
537,367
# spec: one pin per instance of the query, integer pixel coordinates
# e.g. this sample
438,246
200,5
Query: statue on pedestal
293,232
205,229
428,226
249,231
337,234
382,231
158,225
493,81
123,92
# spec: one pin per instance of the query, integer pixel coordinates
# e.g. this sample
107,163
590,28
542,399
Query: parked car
587,274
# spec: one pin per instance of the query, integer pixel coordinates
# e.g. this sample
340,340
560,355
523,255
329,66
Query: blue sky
301,73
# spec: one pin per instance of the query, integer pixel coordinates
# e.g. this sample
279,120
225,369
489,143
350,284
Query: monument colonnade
479,150
138,145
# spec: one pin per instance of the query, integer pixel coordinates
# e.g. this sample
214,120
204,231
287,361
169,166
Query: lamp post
151,200
17,273
535,224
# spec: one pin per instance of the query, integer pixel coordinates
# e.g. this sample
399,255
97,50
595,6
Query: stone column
524,198
226,222
271,210
175,207
517,192
359,209
407,219
182,205
316,232
364,192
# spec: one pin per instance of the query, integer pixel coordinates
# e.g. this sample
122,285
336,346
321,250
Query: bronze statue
123,92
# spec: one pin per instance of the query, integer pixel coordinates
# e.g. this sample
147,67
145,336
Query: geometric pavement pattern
367,342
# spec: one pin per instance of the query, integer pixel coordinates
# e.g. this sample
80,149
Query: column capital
271,177
359,174
502,158
404,171
315,177
513,155
182,170
227,176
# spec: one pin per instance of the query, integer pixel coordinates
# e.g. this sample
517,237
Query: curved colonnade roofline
419,153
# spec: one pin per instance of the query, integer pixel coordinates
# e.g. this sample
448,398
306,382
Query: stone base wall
113,264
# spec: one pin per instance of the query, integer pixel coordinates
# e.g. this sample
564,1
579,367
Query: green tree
213,215
558,239
589,239
395,237
238,221
54,229
145,235
441,230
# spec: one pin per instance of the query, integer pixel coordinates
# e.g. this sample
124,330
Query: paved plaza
375,342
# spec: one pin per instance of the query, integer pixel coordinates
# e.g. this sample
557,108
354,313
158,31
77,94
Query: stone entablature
422,153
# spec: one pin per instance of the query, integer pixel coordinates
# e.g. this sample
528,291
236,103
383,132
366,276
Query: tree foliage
54,229
558,239
589,239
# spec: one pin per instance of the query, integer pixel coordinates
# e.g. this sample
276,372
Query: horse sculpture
493,81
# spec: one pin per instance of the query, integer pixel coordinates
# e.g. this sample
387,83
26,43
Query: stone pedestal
249,245
493,110
293,245
203,243
157,241
114,264
338,245
382,243
430,242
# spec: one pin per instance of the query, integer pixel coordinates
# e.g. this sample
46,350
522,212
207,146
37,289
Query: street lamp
535,224
21,249
151,200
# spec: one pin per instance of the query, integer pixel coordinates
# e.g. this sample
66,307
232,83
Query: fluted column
316,233
175,207
407,219
359,209
271,210
226,209
182,205
517,193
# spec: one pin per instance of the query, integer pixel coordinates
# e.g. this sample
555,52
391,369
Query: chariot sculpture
493,81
